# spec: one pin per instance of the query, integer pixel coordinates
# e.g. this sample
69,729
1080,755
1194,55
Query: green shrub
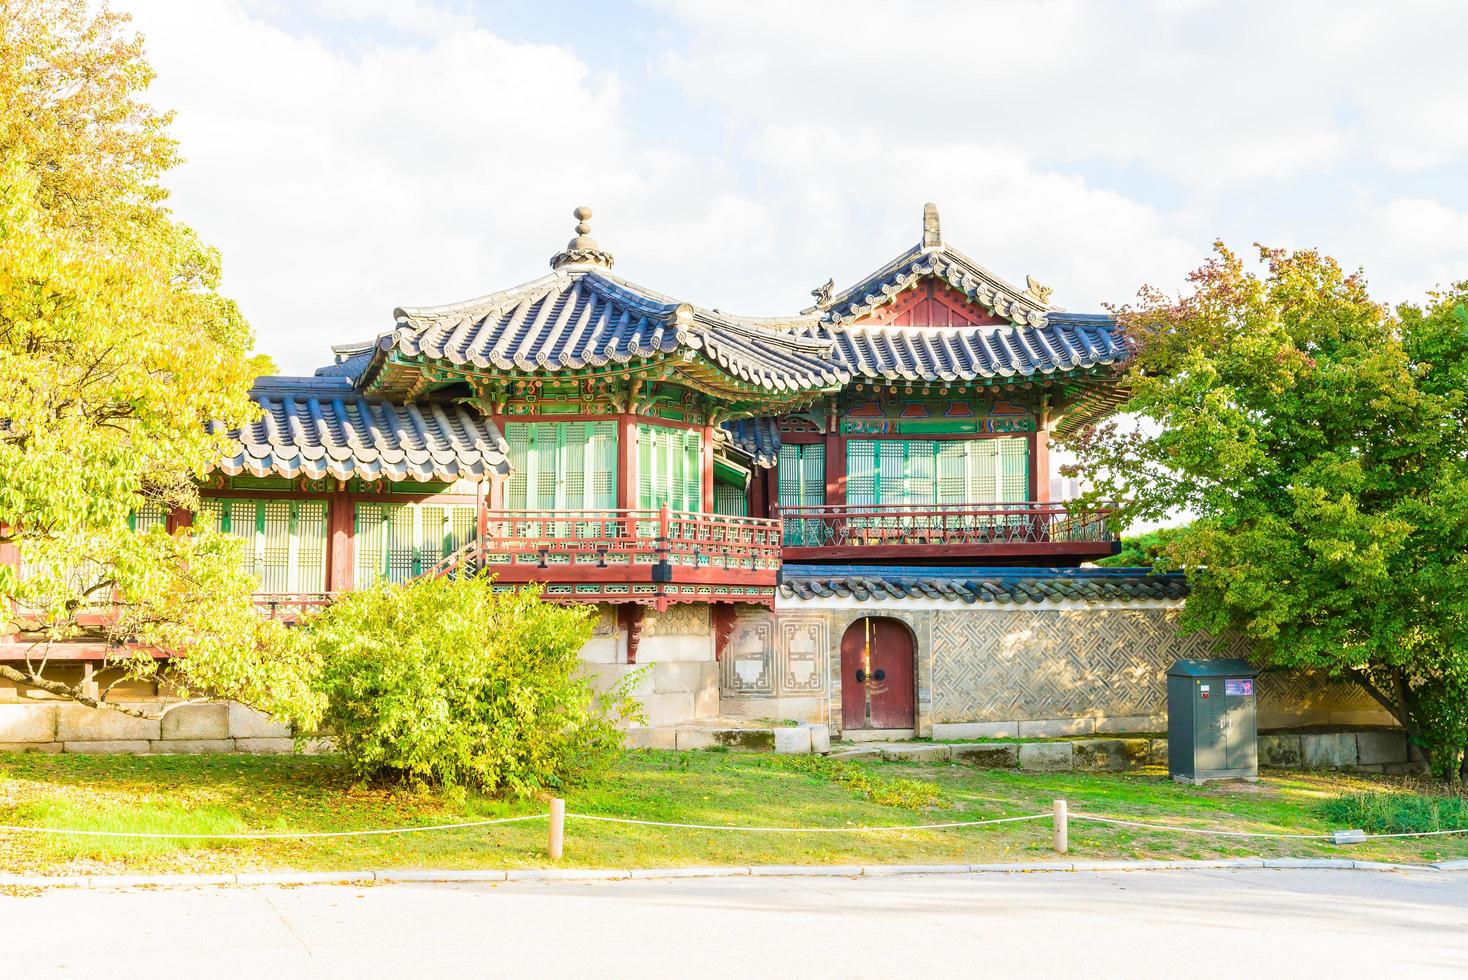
1396,813
447,682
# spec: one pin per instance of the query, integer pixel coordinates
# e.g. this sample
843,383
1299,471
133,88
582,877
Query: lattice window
730,500
283,541
562,465
399,542
917,472
801,476
669,468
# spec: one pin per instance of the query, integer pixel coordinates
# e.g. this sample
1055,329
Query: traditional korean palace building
840,516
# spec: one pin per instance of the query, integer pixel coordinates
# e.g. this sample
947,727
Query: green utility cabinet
1212,721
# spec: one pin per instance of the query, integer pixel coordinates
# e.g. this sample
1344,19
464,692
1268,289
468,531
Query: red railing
290,606
977,527
580,548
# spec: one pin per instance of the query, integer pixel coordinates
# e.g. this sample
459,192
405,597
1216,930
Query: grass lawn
235,793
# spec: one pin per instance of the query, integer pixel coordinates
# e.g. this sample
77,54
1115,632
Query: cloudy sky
350,156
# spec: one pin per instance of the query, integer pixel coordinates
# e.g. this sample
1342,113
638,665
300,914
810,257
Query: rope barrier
316,835
272,835
806,830
1196,830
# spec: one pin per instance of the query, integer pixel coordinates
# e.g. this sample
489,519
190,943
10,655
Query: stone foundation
1376,750
42,726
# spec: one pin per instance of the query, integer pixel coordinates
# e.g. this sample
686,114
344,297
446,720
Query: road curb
495,876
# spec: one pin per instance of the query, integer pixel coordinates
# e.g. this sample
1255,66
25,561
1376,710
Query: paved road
1195,924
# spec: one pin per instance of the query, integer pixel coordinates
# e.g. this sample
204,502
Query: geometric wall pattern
770,654
679,619
1042,664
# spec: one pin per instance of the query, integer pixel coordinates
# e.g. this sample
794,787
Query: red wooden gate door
877,679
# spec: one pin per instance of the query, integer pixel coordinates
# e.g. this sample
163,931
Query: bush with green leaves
447,682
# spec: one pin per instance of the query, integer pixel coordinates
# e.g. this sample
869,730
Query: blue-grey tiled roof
757,438
970,585
976,283
967,353
323,427
581,316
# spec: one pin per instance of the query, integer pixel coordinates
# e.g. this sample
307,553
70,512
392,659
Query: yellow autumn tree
121,368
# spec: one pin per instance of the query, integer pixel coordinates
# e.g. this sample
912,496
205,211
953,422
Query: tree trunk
68,691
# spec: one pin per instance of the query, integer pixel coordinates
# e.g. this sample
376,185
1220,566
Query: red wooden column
1040,466
626,462
835,469
759,497
707,469
179,517
340,530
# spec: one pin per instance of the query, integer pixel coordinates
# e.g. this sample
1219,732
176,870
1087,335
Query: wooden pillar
835,469
340,533
724,621
707,469
759,498
627,462
1040,466
179,517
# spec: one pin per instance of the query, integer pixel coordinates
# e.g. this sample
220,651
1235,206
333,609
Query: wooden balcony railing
290,606
961,530
628,554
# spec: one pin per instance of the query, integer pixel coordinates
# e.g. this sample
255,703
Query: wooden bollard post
557,827
1062,827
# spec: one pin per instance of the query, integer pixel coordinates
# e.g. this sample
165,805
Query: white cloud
418,158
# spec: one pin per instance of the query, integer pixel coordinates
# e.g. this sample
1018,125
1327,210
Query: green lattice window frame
284,541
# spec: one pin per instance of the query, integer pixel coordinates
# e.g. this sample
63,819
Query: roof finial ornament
932,233
583,249
1039,292
823,292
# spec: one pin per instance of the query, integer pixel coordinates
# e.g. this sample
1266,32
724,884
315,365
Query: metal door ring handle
861,676
879,674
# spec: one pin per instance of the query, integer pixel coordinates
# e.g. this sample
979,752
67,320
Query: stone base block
248,723
1334,750
113,747
1124,724
28,722
78,723
196,721
1157,752
792,741
266,746
987,756
735,739
918,753
193,746
1057,726
977,729
47,747
1046,757
668,709
1280,750
706,703
1109,754
652,738
1381,748
820,739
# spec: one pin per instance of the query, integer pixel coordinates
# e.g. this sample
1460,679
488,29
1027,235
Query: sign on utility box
1212,723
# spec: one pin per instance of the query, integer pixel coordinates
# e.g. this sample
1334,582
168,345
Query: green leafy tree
448,682
1322,441
1147,550
121,368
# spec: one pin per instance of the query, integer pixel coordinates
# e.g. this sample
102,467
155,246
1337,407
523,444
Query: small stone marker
1348,836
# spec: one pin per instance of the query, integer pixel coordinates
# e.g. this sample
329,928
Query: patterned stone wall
775,655
679,619
991,666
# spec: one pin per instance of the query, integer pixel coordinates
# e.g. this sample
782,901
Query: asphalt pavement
1194,924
